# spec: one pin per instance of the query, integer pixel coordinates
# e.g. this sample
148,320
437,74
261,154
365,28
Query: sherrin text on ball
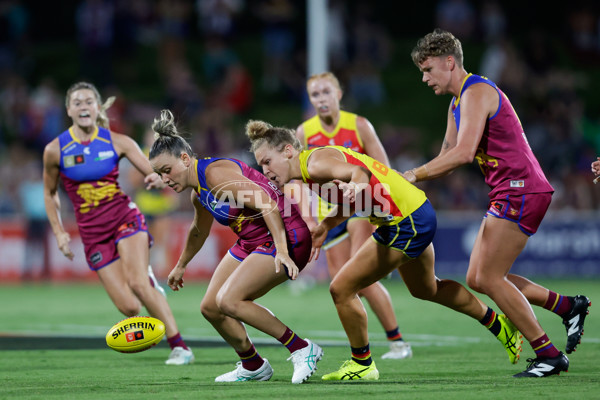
135,334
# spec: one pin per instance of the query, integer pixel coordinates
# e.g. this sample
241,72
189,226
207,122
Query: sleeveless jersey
388,199
504,155
90,172
244,221
345,134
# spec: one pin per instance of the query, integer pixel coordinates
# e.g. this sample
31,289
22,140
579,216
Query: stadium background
218,63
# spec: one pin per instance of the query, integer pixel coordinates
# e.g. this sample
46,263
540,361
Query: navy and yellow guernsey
344,134
90,172
391,198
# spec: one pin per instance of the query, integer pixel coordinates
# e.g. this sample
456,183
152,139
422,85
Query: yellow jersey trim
457,100
76,140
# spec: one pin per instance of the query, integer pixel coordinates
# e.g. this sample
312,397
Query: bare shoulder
122,143
300,133
220,171
480,96
363,123
120,138
322,157
52,152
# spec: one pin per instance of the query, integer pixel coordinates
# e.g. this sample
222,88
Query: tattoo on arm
445,145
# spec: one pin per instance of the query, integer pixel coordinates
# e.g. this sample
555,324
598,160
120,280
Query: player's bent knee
130,310
338,293
211,311
229,308
227,305
141,288
473,284
478,283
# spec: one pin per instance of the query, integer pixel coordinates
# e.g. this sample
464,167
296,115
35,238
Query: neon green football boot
511,339
351,370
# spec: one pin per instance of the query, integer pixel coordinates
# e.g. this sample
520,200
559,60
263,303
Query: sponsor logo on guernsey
132,326
71,161
68,149
103,155
519,183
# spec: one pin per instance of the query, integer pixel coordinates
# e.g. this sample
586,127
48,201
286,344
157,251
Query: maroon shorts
299,246
101,253
527,210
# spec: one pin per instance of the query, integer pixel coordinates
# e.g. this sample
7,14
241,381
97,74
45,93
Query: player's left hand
283,259
318,235
153,181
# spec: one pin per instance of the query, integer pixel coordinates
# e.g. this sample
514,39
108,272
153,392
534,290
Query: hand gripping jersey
389,198
90,172
245,222
345,134
503,154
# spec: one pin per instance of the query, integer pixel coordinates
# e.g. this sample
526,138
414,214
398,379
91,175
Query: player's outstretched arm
197,234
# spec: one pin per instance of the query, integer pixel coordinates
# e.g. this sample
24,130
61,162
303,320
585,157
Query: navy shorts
338,234
412,235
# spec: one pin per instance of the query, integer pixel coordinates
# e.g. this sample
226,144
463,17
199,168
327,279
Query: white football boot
180,356
241,374
305,361
399,349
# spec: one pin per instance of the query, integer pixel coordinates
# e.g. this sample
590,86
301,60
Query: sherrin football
135,334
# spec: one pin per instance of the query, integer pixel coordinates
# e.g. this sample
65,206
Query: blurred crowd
213,93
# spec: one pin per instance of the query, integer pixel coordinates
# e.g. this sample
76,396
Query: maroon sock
543,347
177,341
292,341
558,304
251,360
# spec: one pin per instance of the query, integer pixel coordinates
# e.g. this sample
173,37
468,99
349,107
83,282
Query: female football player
273,246
333,126
113,231
406,224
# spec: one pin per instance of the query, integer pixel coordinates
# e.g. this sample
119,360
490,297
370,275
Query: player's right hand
175,279
63,239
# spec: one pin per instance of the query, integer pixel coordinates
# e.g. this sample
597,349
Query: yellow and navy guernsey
392,198
345,134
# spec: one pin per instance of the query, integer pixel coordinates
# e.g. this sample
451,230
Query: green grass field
51,347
